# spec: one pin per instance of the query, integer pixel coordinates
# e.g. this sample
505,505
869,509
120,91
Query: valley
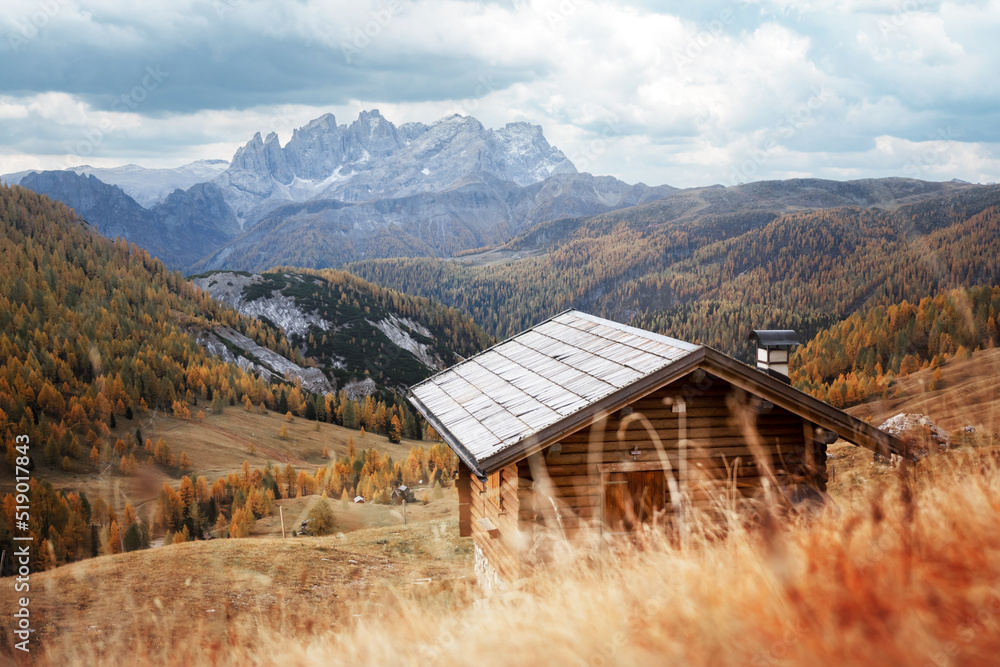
217,446
563,332
184,428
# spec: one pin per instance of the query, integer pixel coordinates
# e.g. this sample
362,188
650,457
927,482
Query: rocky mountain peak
330,156
525,156
371,136
326,122
247,155
410,131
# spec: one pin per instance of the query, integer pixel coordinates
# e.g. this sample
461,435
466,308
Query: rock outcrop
919,432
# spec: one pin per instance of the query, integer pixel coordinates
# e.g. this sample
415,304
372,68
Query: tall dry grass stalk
905,572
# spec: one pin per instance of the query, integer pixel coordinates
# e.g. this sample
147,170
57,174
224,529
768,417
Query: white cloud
686,97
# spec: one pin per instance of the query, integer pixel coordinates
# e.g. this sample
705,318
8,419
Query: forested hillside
351,329
858,357
91,329
710,280
95,334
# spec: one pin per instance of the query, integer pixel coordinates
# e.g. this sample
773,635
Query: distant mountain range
337,193
147,187
180,230
709,264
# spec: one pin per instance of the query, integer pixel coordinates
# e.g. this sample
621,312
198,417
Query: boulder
918,431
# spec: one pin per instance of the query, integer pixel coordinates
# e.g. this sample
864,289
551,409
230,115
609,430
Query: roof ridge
644,333
494,345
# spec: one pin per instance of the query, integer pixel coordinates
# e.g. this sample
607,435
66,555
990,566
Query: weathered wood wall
720,444
502,545
732,439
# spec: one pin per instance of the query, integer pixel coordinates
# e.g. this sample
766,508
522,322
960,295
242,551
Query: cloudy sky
680,93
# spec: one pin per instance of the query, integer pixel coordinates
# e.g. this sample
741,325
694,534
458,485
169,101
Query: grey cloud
229,66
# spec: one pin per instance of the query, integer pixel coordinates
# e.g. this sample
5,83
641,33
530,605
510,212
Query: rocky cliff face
234,347
356,340
372,159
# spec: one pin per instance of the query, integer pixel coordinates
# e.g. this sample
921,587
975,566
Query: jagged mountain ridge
335,193
338,193
362,337
372,159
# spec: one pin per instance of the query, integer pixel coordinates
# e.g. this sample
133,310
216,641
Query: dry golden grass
968,394
358,516
155,600
901,567
904,571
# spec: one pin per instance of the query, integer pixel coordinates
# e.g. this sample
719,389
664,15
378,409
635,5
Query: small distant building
359,499
402,494
581,421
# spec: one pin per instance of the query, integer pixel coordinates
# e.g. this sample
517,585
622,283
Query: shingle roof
512,391
518,396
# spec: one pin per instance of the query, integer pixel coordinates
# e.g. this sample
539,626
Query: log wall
724,442
501,545
731,441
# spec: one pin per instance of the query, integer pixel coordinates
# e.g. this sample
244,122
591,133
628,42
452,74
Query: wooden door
633,498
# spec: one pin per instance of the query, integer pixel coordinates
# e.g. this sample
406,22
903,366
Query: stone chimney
773,348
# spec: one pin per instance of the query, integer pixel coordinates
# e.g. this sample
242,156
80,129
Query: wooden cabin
581,420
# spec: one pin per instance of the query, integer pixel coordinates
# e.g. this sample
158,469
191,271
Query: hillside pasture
216,446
